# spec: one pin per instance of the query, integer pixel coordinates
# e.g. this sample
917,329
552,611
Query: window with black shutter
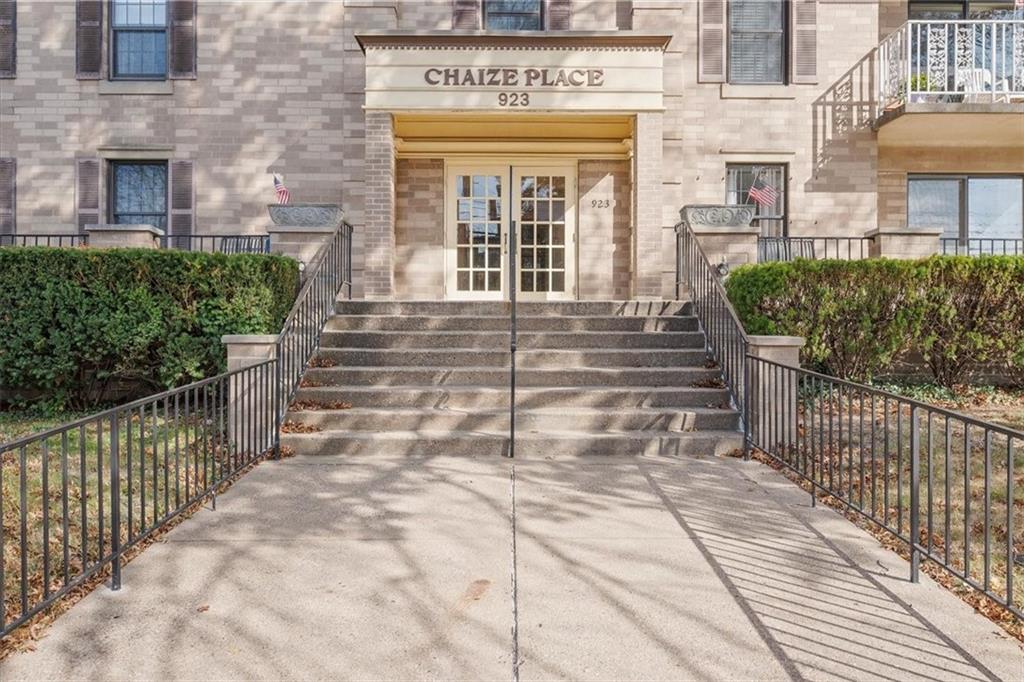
8,38
138,193
514,15
771,219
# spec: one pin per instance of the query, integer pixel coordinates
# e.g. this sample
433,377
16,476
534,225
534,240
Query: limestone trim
545,40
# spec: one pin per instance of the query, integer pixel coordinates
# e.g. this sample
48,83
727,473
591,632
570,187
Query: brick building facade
374,105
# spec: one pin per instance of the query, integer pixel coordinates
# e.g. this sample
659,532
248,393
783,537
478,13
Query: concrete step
529,445
488,376
538,419
500,340
526,359
558,309
524,323
468,397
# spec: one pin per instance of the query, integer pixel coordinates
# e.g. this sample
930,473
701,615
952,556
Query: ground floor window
968,207
769,216
138,193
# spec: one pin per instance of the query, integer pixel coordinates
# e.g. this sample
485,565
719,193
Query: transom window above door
138,32
138,193
513,15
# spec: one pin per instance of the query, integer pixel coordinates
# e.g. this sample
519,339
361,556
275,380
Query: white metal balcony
951,63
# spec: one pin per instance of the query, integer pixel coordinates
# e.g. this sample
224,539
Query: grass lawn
56,492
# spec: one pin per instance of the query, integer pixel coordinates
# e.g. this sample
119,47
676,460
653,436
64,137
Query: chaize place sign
478,72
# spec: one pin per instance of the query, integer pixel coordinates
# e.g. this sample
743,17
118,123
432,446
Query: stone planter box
306,215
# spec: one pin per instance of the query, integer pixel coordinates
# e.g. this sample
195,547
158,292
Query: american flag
762,193
281,192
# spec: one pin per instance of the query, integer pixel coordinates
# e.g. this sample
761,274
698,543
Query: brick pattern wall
379,206
419,229
604,234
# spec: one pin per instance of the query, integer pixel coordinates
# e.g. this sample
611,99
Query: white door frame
510,170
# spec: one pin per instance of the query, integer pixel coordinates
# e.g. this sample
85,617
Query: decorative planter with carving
306,215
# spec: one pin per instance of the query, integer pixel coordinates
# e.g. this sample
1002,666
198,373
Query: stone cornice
543,40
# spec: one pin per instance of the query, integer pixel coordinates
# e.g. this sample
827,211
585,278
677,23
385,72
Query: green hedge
75,322
859,317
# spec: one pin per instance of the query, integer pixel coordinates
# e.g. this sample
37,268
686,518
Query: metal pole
512,337
115,502
915,502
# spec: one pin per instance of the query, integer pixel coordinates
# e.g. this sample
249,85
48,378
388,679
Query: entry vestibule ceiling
614,71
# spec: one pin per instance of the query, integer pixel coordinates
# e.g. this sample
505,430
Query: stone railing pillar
124,236
724,233
904,242
773,389
251,422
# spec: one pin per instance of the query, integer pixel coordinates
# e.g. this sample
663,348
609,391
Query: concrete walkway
451,568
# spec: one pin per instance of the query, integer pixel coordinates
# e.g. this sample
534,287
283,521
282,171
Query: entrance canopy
595,72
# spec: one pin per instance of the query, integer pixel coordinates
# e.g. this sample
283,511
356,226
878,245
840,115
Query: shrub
857,316
860,316
72,321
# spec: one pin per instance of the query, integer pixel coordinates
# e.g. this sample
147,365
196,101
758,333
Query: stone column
724,233
773,389
251,418
379,216
904,242
124,236
647,180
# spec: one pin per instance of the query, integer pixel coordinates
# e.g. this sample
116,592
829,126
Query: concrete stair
396,378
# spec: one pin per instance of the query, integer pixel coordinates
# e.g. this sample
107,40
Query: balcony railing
217,243
66,239
785,249
952,246
952,61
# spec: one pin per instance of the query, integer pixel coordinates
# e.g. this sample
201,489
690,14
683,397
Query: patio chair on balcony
980,87
785,249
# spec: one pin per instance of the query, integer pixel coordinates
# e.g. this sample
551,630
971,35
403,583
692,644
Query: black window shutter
182,204
8,38
89,39
8,192
466,14
87,192
182,38
559,15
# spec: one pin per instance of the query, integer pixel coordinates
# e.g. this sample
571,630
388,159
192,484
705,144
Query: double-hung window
138,31
771,219
138,193
757,41
514,15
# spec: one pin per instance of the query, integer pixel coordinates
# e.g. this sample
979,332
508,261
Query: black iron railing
944,484
774,249
66,239
726,341
218,243
77,497
328,275
952,246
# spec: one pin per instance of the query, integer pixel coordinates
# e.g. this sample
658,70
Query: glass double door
485,203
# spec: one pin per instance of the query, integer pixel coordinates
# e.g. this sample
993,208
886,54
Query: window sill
136,87
731,91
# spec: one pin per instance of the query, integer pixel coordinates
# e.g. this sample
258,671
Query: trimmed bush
859,317
74,322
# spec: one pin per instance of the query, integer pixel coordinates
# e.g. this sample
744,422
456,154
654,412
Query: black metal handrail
940,482
725,339
89,490
954,246
325,277
784,249
63,239
217,243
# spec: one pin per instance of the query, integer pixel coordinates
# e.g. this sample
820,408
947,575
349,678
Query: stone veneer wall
604,234
419,229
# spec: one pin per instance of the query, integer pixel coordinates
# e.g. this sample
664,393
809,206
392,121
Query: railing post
278,388
745,409
915,502
115,501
